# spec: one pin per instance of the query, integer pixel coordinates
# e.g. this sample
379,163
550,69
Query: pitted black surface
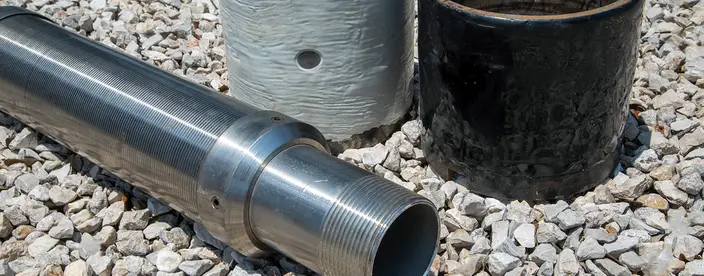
529,109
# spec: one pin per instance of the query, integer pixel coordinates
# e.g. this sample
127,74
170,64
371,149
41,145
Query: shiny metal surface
328,216
257,180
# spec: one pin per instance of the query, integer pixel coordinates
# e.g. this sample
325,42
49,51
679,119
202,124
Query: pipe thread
354,227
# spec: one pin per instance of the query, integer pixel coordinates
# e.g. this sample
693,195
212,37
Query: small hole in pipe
277,119
215,202
309,59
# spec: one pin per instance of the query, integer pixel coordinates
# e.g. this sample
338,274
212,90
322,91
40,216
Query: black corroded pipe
525,99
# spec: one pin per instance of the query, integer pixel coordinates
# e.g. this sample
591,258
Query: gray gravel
60,214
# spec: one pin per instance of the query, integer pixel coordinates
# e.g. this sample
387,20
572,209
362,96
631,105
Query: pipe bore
258,180
526,99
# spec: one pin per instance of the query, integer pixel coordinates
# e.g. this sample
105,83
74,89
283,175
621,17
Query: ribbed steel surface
151,130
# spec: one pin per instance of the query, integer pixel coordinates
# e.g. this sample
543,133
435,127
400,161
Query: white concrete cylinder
344,66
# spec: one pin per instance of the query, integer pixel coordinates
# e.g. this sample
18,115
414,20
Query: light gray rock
154,230
691,183
218,270
632,261
501,263
525,235
41,245
542,253
592,268
691,140
375,155
612,268
687,246
551,211
61,172
100,264
546,269
175,238
520,211
573,239
135,220
549,233
25,139
647,161
569,219
567,263
469,204
460,239
89,246
590,249
455,220
98,202
26,182
622,244
600,235
134,245
668,190
499,233
652,217
106,236
61,196
693,268
40,193
630,188
77,268
113,214
167,260
642,235
413,130
196,267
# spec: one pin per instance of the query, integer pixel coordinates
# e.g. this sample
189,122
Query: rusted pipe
526,99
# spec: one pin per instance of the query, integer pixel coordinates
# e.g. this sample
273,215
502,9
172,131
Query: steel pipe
258,180
526,99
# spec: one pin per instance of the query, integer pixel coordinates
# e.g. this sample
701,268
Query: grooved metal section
144,125
355,222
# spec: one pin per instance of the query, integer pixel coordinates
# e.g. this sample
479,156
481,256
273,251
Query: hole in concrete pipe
535,7
408,246
309,59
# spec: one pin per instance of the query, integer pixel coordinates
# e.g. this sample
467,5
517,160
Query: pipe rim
583,15
427,206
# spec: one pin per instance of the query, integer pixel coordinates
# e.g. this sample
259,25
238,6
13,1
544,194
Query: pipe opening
408,246
309,59
535,7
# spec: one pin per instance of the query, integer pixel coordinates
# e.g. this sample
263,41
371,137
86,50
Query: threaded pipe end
378,228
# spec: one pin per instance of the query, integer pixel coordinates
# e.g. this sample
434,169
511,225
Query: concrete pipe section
526,99
258,180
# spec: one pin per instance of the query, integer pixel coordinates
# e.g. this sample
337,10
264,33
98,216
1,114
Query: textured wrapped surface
365,75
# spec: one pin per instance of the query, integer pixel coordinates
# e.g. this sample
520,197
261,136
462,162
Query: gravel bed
62,215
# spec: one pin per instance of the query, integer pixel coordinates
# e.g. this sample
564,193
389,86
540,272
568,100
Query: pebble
134,220
41,245
693,268
100,264
612,268
569,219
549,233
157,208
542,253
61,196
590,248
668,189
654,201
77,268
501,263
525,235
567,263
632,261
196,267
168,261
600,235
622,244
687,246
